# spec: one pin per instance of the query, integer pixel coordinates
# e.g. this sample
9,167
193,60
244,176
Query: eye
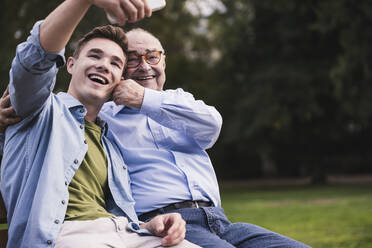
94,56
116,64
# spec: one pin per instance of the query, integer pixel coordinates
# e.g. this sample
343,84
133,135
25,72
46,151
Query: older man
163,135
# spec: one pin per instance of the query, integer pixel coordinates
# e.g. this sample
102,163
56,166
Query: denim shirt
44,150
164,145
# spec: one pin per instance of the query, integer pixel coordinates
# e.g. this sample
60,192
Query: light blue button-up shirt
164,146
44,150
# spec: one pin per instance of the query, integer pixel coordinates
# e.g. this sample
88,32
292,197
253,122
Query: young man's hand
171,227
6,112
125,10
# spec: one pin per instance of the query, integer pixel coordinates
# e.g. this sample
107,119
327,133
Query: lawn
322,216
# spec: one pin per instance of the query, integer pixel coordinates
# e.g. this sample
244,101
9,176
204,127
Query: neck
93,106
92,111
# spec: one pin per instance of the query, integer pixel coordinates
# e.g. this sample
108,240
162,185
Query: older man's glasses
151,58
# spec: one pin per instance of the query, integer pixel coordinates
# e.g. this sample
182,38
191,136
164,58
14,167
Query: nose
103,65
143,65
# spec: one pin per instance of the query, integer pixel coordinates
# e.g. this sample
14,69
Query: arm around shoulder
177,109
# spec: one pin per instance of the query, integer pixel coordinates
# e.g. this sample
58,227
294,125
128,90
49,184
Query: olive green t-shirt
89,188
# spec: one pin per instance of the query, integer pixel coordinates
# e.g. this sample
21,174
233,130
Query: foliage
290,96
290,78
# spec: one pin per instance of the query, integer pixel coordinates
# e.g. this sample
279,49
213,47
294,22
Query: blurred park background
292,80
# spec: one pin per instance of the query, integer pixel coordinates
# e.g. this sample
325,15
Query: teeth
144,78
97,79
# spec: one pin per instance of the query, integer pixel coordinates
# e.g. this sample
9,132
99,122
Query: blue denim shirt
44,150
164,145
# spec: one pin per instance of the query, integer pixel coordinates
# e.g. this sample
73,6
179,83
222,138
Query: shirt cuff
43,58
134,227
152,101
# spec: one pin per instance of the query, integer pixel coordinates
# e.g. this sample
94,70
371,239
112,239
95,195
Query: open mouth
98,79
142,78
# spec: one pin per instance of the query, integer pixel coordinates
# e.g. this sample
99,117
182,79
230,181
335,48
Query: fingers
6,118
148,10
129,93
158,226
6,92
169,226
120,11
4,123
5,101
7,112
117,93
175,230
139,9
114,10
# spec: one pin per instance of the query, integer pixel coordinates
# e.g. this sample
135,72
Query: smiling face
149,76
96,71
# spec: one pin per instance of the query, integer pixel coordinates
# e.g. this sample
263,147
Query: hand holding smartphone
153,4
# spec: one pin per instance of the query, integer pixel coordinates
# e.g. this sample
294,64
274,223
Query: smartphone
153,4
156,4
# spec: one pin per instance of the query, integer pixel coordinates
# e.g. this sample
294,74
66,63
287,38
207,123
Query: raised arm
34,68
58,27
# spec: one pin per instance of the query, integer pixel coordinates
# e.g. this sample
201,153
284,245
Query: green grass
322,217
327,216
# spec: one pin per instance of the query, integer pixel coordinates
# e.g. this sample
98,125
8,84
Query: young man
63,181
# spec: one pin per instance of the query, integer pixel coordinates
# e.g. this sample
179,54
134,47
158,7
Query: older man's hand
6,112
171,227
129,93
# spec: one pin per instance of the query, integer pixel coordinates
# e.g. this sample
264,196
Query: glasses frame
140,56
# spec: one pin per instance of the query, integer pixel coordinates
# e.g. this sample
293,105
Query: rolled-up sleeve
177,109
33,74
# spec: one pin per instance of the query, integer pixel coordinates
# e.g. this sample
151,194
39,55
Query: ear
70,64
164,64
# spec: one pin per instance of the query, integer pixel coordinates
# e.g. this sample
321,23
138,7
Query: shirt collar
72,102
69,100
103,125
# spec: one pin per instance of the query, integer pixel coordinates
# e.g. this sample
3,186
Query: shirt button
63,202
135,226
56,221
49,242
124,167
81,127
81,110
66,183
85,142
76,161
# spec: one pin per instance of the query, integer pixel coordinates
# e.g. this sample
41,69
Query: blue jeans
209,227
